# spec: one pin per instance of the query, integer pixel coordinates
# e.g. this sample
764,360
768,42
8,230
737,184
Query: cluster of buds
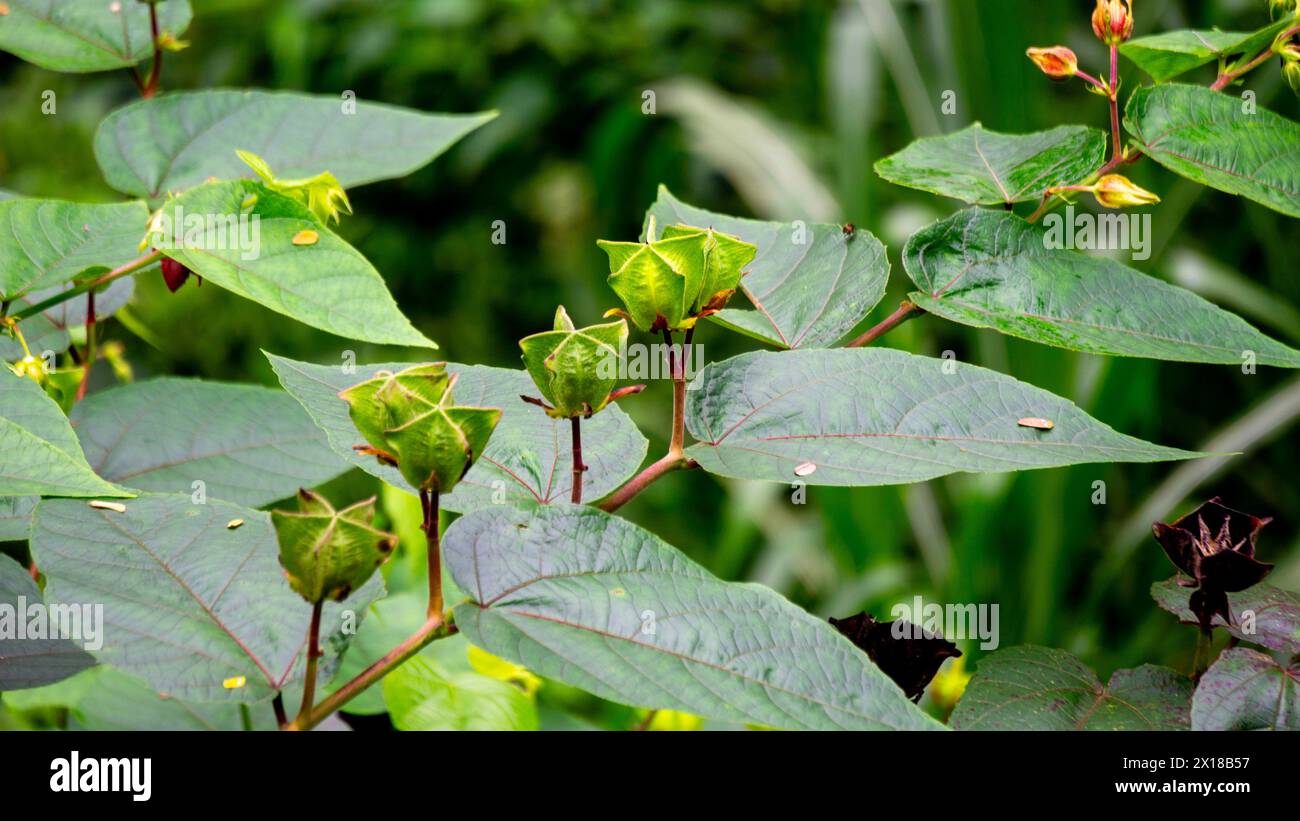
575,368
671,282
1214,546
410,421
322,194
1286,47
1112,21
328,553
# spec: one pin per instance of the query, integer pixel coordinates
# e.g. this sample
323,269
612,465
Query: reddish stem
89,361
1114,104
313,654
151,87
433,543
578,466
905,311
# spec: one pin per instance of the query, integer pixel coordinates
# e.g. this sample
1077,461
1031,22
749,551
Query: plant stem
578,466
1201,656
435,627
1086,77
1114,104
313,653
277,704
89,361
1227,77
151,87
103,279
905,311
666,464
433,541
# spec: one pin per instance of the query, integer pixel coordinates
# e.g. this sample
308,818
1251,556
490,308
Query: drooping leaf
809,284
1262,614
16,517
247,444
1219,140
1039,688
174,141
34,662
86,35
190,604
984,167
41,454
1168,54
527,459
1247,690
875,416
256,251
421,695
48,242
992,269
575,594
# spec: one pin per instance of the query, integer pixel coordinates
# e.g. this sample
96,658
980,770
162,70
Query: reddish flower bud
1057,62
174,274
1112,21
904,652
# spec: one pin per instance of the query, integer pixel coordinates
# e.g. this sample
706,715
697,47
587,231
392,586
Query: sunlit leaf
421,695
1168,54
48,242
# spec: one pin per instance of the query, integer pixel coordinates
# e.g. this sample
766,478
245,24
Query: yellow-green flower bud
670,282
575,368
328,553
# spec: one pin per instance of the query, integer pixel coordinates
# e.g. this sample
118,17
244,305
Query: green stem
63,296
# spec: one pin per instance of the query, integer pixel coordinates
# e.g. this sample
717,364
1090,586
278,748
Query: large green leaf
41,454
1261,614
979,166
175,141
1166,55
86,35
421,695
16,517
1217,140
48,242
323,282
590,599
1247,690
809,284
875,416
992,269
34,662
248,444
528,457
189,602
1038,688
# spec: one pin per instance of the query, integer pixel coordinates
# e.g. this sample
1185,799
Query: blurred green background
770,108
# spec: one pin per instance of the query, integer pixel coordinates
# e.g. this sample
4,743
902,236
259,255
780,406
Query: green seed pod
575,368
328,553
670,282
410,420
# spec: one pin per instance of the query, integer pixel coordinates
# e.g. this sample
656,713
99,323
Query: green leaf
1247,690
1209,137
1261,614
809,284
41,454
992,269
47,331
16,517
1164,56
48,242
323,282
34,662
1038,688
987,168
189,602
86,35
875,416
174,141
578,595
248,444
422,696
526,458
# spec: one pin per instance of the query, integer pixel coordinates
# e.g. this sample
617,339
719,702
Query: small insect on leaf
234,682
234,524
116,507
306,237
1035,422
806,469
